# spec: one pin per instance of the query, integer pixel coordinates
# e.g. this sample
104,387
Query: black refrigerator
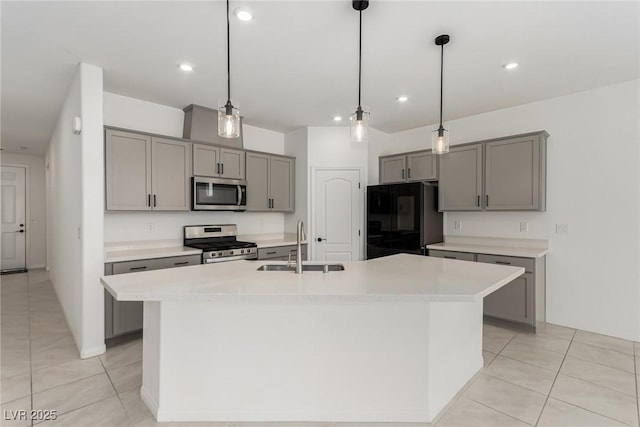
402,218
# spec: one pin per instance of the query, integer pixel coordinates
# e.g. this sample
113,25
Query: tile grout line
555,379
635,369
497,410
30,349
106,371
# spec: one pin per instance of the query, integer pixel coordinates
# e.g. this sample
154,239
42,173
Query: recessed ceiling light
186,67
402,98
337,118
510,66
244,15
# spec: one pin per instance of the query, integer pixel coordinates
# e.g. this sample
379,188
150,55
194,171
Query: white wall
74,203
135,114
332,147
593,185
36,229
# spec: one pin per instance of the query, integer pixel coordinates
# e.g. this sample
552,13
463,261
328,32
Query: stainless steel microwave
218,194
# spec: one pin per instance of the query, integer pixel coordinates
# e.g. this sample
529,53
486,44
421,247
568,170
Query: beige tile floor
558,377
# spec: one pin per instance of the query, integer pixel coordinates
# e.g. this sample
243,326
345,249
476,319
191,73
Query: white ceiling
295,64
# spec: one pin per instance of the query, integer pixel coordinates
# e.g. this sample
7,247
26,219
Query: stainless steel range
218,243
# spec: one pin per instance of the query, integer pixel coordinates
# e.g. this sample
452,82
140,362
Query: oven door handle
239,195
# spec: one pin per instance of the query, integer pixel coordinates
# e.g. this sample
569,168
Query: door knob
320,239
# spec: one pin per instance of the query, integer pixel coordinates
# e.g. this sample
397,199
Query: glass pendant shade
229,121
360,125
440,140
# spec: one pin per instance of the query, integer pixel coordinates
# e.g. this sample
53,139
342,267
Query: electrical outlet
524,227
457,224
151,227
562,228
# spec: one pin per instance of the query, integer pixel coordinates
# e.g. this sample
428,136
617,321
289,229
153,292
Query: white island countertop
396,277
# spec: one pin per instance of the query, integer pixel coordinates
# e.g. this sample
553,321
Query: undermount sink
305,267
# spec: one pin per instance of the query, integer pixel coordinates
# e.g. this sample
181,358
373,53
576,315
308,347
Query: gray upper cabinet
515,178
422,166
281,184
461,179
218,162
410,167
146,173
170,171
392,169
270,183
127,170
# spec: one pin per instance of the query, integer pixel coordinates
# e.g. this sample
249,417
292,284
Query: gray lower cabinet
281,253
144,172
460,184
270,183
218,162
410,167
462,256
514,301
122,317
523,299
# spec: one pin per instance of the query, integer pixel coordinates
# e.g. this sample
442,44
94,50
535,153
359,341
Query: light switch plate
524,227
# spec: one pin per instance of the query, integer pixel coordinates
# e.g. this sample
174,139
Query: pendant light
228,115
360,119
440,136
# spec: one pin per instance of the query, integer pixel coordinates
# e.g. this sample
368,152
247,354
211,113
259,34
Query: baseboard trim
86,353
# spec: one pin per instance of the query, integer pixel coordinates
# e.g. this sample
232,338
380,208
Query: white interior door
337,215
13,217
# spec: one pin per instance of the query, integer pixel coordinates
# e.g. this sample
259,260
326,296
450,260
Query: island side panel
151,352
301,359
455,350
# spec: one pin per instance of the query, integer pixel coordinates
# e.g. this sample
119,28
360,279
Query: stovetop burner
218,243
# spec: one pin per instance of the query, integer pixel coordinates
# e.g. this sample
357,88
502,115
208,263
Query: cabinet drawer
281,252
180,261
462,256
527,263
155,264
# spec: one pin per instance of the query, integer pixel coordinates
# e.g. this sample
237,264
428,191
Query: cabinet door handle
450,257
137,268
218,168
487,201
155,202
503,262
149,200
402,173
272,253
478,201
221,168
181,263
409,173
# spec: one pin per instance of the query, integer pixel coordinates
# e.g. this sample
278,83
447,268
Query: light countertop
271,240
526,248
397,277
131,251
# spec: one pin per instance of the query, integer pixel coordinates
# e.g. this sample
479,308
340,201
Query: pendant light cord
360,62
441,72
228,58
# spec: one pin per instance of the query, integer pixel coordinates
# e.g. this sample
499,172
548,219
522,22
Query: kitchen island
391,339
